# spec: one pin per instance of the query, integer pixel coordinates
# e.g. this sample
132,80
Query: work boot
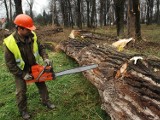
49,105
25,115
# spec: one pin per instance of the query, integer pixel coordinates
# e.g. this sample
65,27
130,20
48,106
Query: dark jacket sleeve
42,50
11,63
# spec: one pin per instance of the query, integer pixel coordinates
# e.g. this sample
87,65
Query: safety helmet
25,21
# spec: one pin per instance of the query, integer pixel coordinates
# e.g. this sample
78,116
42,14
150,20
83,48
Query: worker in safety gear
22,50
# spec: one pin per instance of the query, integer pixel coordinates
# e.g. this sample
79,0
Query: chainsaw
45,73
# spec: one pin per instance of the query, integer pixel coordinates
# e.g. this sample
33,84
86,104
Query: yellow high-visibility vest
11,44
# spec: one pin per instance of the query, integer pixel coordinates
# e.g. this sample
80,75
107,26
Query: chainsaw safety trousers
21,97
25,21
11,44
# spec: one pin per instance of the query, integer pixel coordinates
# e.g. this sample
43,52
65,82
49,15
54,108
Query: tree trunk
129,90
105,13
158,13
18,5
64,9
119,10
54,13
7,12
30,7
70,14
149,11
134,29
93,14
79,19
10,6
101,20
88,11
53,4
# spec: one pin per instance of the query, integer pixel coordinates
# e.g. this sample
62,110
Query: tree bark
119,11
150,5
79,19
7,12
18,5
101,19
134,28
128,91
158,13
88,11
93,14
10,6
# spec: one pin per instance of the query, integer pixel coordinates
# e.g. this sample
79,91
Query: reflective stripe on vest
11,44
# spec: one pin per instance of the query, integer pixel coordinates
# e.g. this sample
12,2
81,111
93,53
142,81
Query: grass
74,96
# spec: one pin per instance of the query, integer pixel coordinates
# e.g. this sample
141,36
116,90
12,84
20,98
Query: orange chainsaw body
46,74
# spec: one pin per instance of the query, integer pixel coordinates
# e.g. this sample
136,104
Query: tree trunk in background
30,7
119,11
150,4
18,7
64,9
52,7
93,14
88,11
158,13
7,12
105,13
70,14
10,5
134,29
143,12
111,13
101,13
79,19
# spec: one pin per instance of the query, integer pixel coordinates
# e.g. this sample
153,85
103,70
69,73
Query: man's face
24,32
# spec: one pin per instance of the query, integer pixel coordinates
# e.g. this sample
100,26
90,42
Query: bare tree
54,13
7,12
101,19
150,5
134,28
30,3
65,11
18,6
119,11
93,13
70,13
10,5
88,11
79,18
158,12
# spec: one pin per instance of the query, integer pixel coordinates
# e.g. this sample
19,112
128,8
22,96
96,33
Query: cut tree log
129,86
75,34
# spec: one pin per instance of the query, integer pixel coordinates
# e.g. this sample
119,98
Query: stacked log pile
129,89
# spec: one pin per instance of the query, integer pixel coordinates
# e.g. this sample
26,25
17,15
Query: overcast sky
39,6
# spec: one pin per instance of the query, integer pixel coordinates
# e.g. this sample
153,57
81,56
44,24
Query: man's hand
28,77
48,62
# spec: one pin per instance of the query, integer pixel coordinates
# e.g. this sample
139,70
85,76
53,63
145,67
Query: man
22,50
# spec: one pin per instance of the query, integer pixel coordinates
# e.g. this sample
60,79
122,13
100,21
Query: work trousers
21,89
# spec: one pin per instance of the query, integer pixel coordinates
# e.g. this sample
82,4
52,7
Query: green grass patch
151,33
74,96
